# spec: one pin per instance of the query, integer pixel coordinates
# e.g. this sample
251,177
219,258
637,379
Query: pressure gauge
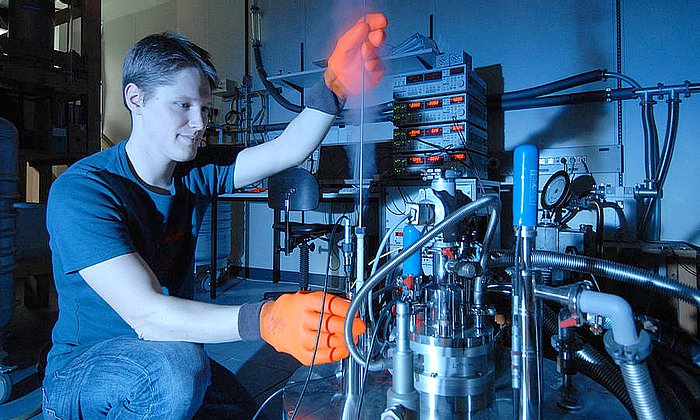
556,191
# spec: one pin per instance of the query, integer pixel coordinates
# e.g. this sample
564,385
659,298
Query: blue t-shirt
100,209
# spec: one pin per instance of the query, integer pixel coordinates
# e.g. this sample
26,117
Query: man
122,225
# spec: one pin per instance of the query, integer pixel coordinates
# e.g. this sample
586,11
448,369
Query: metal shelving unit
52,97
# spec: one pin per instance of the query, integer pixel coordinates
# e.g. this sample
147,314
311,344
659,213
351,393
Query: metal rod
618,45
529,319
362,131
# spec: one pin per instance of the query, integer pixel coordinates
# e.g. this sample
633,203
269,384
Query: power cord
384,313
471,159
284,388
320,323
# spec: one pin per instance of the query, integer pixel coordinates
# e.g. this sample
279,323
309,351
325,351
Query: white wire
385,239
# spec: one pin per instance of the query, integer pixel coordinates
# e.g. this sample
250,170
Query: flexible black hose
669,140
651,140
262,74
555,100
673,397
593,364
556,86
599,227
566,99
665,161
610,269
570,215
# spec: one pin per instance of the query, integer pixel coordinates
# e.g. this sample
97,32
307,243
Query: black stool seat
296,189
309,229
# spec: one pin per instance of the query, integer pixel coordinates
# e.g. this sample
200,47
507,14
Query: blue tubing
525,180
412,264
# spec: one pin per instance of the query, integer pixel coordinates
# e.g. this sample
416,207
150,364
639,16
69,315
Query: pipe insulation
615,308
592,363
628,348
613,270
8,219
556,86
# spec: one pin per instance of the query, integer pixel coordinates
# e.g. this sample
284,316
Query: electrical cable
320,325
284,388
393,251
378,256
476,171
585,165
396,211
623,77
403,196
683,265
369,357
433,145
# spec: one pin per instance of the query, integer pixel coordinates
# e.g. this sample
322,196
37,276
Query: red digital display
416,160
433,103
399,233
415,105
457,99
414,79
456,70
459,156
434,159
435,131
436,75
414,133
457,127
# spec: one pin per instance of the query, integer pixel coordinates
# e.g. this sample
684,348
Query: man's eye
184,105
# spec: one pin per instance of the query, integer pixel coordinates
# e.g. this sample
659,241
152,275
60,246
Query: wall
216,25
533,41
536,42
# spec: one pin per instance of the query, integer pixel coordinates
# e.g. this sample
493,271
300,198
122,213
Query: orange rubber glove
290,325
344,73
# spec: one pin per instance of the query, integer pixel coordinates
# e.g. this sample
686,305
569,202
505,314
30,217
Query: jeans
128,378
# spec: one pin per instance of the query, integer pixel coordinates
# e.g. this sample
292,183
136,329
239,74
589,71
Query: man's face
175,115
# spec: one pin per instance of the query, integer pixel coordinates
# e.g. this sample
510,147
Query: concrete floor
244,374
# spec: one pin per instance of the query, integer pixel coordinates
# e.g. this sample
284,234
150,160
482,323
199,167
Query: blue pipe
525,180
412,265
8,219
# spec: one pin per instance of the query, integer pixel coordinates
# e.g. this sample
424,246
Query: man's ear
134,96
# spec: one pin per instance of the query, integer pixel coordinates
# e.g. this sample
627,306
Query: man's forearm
175,319
301,137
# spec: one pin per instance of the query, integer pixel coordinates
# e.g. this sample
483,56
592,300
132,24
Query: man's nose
198,120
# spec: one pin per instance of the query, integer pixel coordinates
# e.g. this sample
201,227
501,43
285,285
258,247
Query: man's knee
179,375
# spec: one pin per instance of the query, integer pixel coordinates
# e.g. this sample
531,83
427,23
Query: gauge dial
556,190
